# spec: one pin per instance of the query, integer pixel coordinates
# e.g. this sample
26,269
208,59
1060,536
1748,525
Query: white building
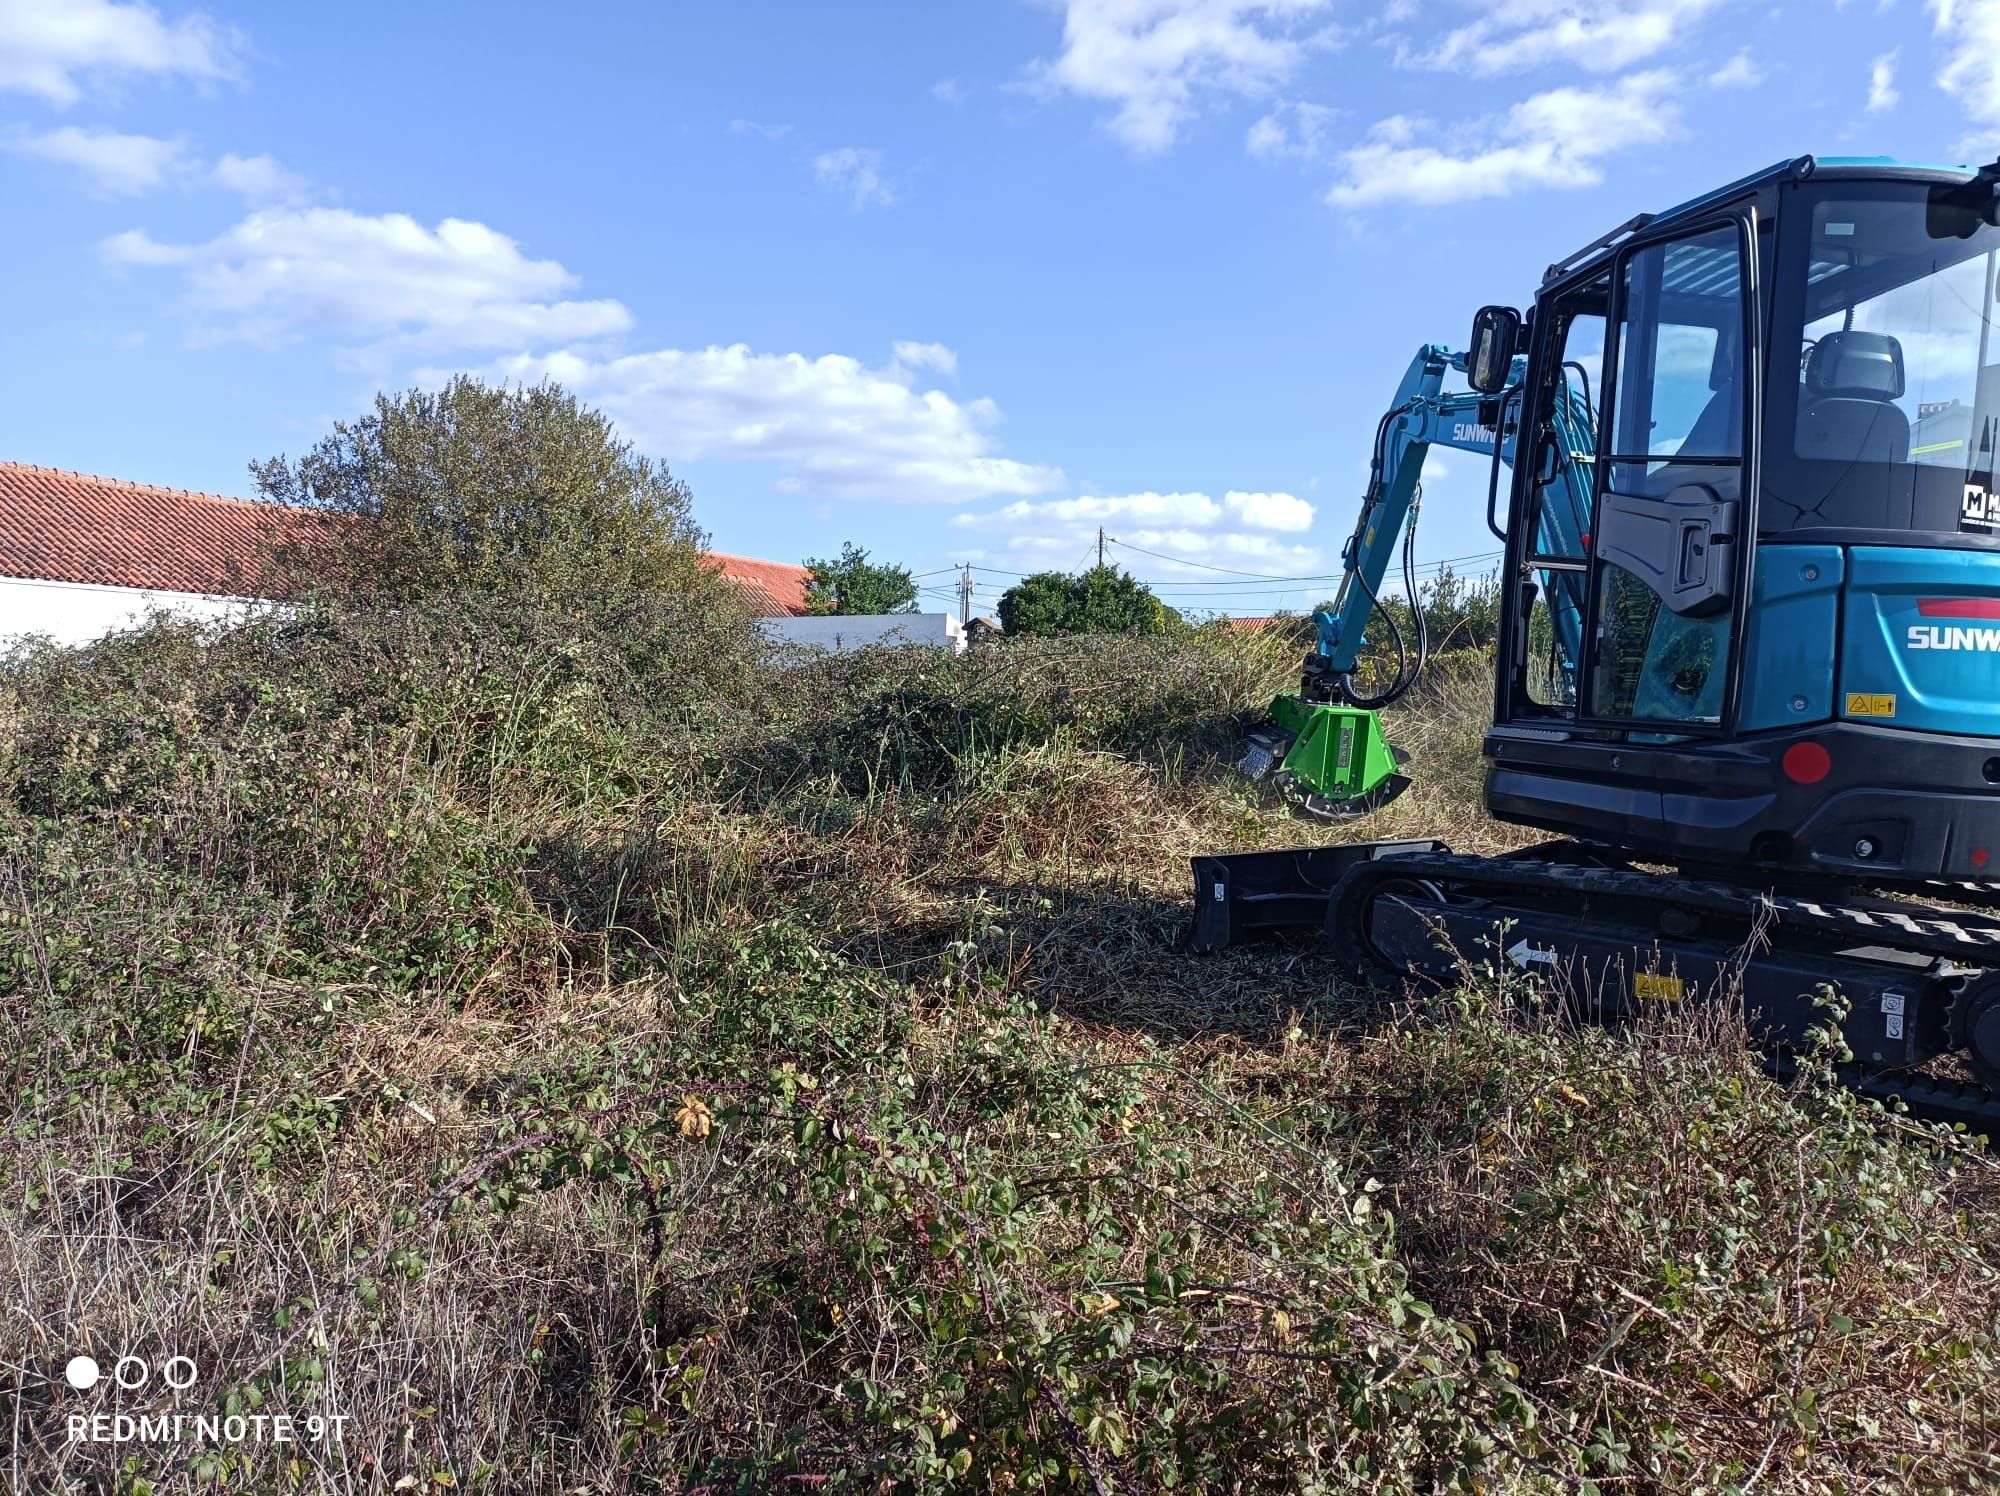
856,631
81,556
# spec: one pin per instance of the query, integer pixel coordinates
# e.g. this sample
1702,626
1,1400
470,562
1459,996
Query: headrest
1856,365
1723,363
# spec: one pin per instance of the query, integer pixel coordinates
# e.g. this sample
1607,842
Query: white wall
858,631
77,612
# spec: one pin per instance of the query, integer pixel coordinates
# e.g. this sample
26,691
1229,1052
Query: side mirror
1957,212
1496,333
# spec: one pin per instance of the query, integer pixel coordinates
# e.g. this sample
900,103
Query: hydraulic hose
1407,674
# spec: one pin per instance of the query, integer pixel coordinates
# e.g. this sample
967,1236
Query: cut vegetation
522,1018
592,1057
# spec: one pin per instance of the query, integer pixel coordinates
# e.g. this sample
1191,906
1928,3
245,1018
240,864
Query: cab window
1679,390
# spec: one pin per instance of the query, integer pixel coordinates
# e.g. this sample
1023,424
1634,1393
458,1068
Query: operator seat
1716,432
1847,409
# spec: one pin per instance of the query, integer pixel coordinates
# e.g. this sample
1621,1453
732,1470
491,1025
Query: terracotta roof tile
774,588
59,526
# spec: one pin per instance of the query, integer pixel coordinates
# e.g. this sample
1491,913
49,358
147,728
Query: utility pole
965,595
1100,547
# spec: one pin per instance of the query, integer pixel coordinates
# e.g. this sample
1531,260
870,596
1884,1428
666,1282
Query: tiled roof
774,588
60,526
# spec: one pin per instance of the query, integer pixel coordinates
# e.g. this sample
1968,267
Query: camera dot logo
130,1373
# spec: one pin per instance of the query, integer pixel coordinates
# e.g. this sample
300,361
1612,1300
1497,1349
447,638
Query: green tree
855,585
511,494
1102,600
1039,604
1459,613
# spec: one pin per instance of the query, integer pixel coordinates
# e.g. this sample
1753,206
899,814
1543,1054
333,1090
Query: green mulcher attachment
1332,762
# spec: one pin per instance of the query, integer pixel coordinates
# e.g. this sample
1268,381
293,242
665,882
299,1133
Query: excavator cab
1755,616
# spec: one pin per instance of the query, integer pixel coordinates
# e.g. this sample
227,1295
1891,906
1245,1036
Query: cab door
1555,493
1669,540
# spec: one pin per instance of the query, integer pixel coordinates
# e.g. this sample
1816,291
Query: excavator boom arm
1323,743
1422,416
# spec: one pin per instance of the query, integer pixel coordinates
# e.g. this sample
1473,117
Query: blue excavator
1747,677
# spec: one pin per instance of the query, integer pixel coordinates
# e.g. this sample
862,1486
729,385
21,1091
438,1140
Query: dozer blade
1331,762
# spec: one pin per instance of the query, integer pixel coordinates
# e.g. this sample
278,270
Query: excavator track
1933,1098
1921,982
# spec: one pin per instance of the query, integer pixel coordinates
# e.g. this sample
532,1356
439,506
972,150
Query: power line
1453,560
1255,589
1180,584
1204,566
1264,577
1184,584
1194,590
1001,571
1205,599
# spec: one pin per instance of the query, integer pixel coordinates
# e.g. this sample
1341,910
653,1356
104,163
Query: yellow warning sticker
1866,704
1655,987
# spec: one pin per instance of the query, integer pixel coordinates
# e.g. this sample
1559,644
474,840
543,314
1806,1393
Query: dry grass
585,1093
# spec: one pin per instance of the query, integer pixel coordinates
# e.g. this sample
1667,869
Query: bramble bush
587,1051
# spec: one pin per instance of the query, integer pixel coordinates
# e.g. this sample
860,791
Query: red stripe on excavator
1959,607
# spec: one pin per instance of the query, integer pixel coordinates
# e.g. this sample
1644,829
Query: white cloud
1741,71
837,428
1291,130
752,127
1602,36
395,289
1187,531
1156,59
48,46
925,356
1146,509
1882,93
114,165
1971,74
1553,139
948,91
1269,511
387,278
260,179
855,172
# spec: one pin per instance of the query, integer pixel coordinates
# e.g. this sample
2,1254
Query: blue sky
957,281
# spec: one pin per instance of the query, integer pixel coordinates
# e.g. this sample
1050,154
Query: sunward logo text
1954,636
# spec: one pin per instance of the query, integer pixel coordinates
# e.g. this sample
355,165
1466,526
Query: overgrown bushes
916,718
589,1052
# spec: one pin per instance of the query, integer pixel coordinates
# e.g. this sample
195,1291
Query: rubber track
1892,928
1933,935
